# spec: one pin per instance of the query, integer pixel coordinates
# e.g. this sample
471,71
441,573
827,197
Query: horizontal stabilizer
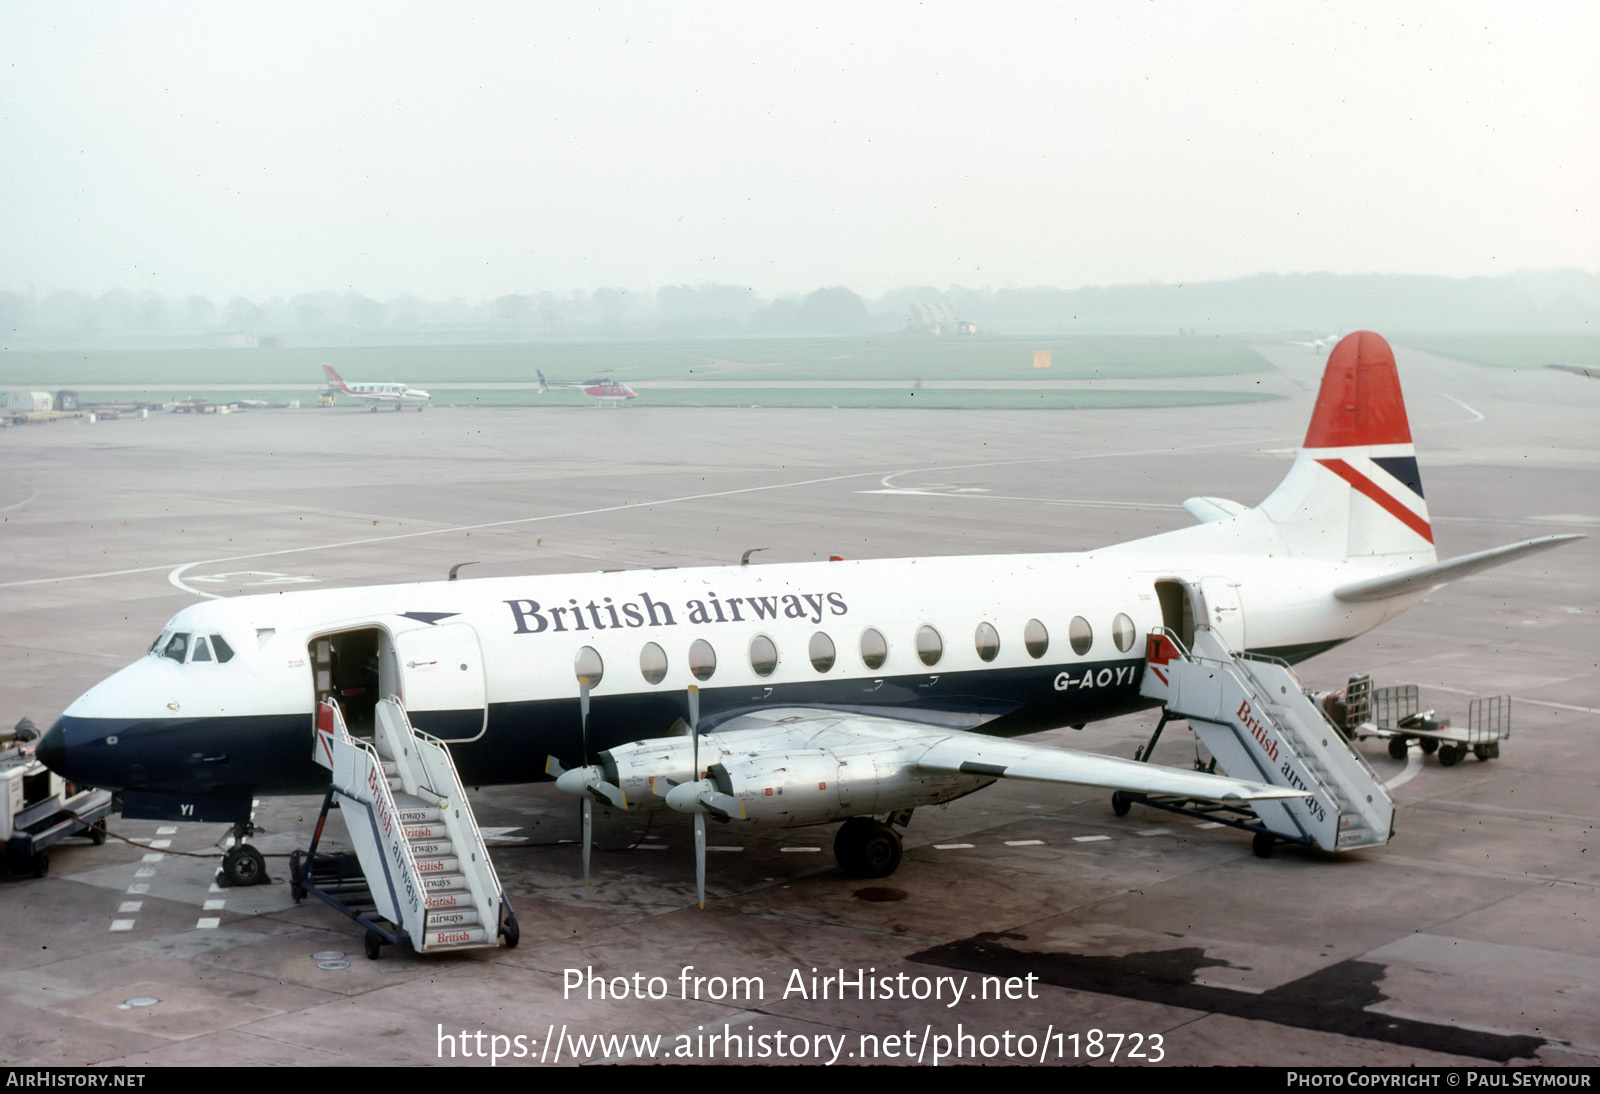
1424,578
1206,510
972,755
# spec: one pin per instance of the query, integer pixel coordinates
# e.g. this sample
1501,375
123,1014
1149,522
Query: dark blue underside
216,764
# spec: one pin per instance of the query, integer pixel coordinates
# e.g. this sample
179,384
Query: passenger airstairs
424,875
1254,716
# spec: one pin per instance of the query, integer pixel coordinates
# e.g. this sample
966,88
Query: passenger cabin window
987,639
1035,639
177,647
653,663
702,659
930,647
763,655
821,652
589,667
874,650
1123,632
1080,634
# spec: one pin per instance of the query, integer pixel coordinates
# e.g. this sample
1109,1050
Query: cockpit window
224,651
155,647
202,649
177,647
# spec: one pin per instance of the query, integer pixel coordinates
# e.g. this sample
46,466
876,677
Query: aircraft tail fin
1355,490
335,379
544,388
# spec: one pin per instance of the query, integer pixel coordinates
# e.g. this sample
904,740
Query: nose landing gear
243,864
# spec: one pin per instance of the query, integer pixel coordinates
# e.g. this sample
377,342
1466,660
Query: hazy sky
481,148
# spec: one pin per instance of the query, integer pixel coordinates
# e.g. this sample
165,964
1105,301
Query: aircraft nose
52,747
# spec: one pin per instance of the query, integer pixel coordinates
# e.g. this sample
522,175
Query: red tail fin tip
1360,401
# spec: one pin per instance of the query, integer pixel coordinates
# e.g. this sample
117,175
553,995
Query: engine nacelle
812,786
635,765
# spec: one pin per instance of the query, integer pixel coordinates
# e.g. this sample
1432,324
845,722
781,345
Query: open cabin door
1213,602
442,680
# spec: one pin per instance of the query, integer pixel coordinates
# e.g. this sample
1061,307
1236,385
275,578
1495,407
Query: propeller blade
553,768
722,806
583,714
700,857
694,724
588,834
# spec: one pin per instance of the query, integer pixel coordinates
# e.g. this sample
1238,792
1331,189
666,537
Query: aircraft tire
1120,804
1398,747
244,865
865,848
1448,755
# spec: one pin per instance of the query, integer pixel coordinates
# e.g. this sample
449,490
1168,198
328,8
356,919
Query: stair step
440,918
429,867
442,883
461,936
429,847
426,830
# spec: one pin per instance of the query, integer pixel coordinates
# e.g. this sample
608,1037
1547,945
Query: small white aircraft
380,394
1320,345
813,692
606,392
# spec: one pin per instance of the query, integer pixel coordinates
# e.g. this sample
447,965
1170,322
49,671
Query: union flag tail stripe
1389,502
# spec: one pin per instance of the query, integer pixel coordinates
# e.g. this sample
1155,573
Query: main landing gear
867,848
242,865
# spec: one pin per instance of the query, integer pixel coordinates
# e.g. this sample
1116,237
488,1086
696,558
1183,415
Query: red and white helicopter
606,391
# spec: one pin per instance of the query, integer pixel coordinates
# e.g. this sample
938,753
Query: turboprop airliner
380,394
851,691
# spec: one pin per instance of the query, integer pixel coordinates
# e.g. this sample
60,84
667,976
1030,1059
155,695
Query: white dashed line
1210,824
799,850
207,923
214,905
160,844
168,830
128,906
952,847
122,924
138,888
1089,839
1024,843
144,871
153,856
724,848
1153,832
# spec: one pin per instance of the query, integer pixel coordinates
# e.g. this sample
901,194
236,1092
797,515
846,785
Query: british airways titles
531,617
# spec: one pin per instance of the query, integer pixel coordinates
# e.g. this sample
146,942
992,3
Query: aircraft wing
939,750
970,754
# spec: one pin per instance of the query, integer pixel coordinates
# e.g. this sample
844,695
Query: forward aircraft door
442,680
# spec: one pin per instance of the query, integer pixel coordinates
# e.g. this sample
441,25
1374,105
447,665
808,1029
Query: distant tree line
1557,300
